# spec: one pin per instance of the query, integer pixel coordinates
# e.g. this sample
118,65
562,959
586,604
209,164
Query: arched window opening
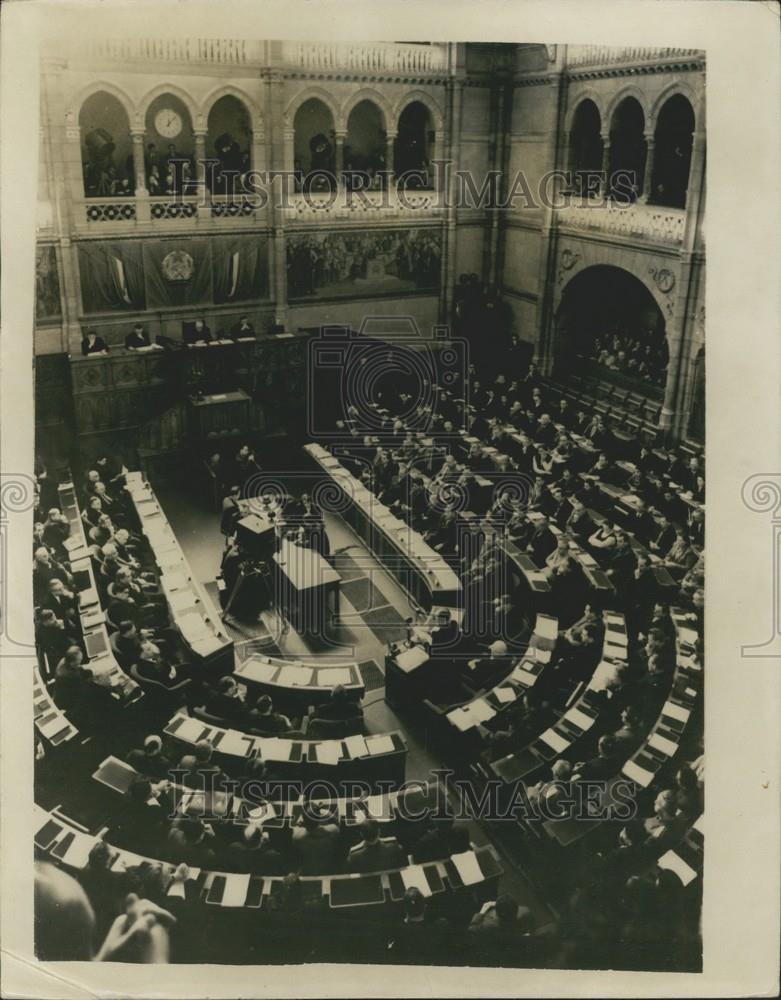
169,150
314,147
627,152
586,148
609,323
365,147
228,142
672,152
414,147
107,148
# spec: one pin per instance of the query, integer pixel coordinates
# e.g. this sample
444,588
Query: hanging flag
233,273
118,270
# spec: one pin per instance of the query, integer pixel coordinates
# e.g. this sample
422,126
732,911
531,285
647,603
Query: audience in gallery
644,356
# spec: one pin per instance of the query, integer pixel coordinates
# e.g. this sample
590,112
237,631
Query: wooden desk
306,589
382,756
309,683
190,607
418,568
219,414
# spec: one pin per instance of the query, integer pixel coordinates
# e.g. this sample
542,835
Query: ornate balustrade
606,55
385,205
369,57
650,222
219,51
110,209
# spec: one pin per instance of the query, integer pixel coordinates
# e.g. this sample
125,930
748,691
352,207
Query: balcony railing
606,55
370,57
110,209
364,206
221,51
649,222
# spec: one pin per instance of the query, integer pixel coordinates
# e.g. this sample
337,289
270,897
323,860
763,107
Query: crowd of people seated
645,356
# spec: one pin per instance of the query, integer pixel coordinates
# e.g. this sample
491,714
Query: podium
306,589
219,415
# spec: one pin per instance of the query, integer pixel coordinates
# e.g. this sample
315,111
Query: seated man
45,569
225,699
503,922
541,542
54,637
150,759
316,843
375,853
601,767
152,669
93,344
63,603
267,720
138,337
197,333
339,707
242,329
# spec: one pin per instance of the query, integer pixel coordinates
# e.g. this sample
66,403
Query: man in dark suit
138,337
375,853
242,329
339,707
604,765
45,570
62,602
664,535
579,523
93,344
197,333
541,543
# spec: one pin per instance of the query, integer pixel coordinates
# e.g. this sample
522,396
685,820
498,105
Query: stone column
339,136
605,163
139,170
455,94
390,166
204,197
650,145
281,151
71,294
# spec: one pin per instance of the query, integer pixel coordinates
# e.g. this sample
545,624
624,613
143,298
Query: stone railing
109,209
219,51
369,57
364,206
649,222
606,55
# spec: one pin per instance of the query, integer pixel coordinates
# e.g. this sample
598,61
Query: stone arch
437,116
589,94
306,94
196,119
630,91
594,259
367,94
134,116
227,90
676,87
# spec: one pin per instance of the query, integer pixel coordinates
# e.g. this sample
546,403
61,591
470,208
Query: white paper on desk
637,774
467,867
295,676
181,599
236,888
676,711
523,676
192,626
274,748
415,878
329,752
546,627
356,746
688,636
257,669
207,645
261,813
579,719
674,863
554,740
234,743
379,744
78,853
189,730
505,695
176,889
53,726
662,744
462,719
125,860
542,655
333,676
616,652
482,711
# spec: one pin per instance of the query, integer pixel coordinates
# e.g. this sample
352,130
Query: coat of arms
177,266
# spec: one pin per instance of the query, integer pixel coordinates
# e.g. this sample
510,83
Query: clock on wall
168,123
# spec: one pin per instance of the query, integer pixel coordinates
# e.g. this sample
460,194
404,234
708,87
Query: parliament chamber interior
368,547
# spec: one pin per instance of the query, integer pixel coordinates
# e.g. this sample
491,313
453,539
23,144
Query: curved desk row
69,845
190,608
294,679
417,567
381,757
50,722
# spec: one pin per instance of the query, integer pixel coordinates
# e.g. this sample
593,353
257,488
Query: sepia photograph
367,497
